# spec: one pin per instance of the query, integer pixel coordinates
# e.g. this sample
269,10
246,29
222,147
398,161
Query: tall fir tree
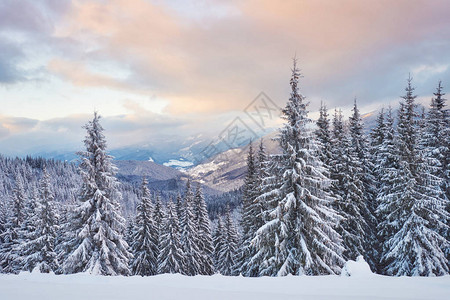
179,207
39,250
323,135
387,166
158,217
144,246
377,136
98,246
364,170
170,258
228,252
300,227
257,211
11,237
262,170
437,142
129,234
218,243
189,235
412,245
346,172
27,230
205,241
248,214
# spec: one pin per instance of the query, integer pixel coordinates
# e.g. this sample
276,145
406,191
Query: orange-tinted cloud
79,75
216,64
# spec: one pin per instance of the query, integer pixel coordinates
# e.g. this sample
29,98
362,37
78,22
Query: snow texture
359,268
38,286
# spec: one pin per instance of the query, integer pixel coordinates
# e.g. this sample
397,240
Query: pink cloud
218,64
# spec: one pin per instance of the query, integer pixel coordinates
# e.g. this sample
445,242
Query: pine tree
205,242
64,235
253,188
129,236
262,170
158,217
248,216
3,218
348,187
189,235
437,139
298,237
9,256
38,252
179,207
387,165
27,230
144,245
170,259
228,252
412,245
377,137
323,135
364,171
98,246
218,243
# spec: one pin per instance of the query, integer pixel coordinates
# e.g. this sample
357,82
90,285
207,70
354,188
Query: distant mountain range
168,166
226,170
178,154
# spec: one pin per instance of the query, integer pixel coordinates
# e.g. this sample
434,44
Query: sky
174,69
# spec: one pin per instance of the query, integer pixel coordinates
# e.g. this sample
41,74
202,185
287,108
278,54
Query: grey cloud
30,16
34,20
10,55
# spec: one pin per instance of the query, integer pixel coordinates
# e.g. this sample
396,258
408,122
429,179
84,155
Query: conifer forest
331,194
217,150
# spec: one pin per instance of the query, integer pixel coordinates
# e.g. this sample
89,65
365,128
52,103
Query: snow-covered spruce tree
346,172
412,245
205,241
144,244
27,230
323,135
228,254
270,180
3,218
129,234
189,235
38,251
300,229
437,142
170,258
64,234
98,246
262,163
218,243
364,170
262,169
11,238
377,135
179,207
248,216
158,217
256,210
391,185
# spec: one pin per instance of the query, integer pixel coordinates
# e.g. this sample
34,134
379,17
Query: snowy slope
217,287
226,170
151,170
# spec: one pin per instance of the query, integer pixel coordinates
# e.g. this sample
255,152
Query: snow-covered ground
82,286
